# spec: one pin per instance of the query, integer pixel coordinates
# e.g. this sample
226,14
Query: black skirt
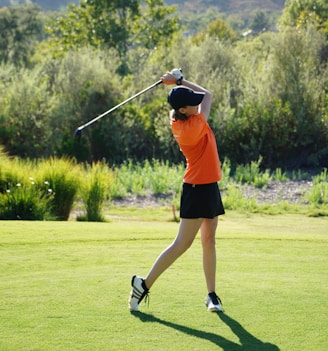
201,201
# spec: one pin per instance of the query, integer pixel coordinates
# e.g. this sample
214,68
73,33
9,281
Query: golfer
201,202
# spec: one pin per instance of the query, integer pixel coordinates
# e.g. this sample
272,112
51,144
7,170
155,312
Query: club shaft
117,106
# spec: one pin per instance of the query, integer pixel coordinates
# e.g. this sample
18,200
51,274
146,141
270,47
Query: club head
78,134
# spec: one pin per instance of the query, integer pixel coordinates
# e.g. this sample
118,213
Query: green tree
260,22
24,117
156,26
113,24
300,13
218,29
20,28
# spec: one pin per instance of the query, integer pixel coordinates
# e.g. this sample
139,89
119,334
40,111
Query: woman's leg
207,230
187,231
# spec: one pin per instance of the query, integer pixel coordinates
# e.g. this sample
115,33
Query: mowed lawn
65,286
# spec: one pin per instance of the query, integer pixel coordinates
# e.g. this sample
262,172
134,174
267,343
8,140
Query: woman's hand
168,79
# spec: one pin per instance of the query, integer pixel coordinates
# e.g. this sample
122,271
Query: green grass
64,286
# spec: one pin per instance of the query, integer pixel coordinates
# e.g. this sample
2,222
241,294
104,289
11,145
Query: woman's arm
205,106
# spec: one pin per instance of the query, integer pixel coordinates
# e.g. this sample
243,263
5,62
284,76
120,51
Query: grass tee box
64,286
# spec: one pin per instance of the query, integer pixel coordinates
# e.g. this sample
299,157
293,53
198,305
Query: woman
200,199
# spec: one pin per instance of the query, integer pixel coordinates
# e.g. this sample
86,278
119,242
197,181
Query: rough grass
33,190
64,286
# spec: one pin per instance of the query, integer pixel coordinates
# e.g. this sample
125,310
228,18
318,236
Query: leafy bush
24,120
25,203
20,196
269,99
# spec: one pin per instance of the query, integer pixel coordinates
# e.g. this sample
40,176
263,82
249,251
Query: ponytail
179,116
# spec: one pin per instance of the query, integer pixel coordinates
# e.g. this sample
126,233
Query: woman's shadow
248,342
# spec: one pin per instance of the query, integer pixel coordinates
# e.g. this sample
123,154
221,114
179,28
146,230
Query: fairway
64,286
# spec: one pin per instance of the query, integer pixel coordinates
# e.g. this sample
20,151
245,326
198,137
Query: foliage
113,24
62,178
305,13
21,196
50,189
234,200
25,202
218,29
159,178
20,27
276,105
279,176
24,118
156,26
319,192
260,22
95,187
269,92
251,174
84,85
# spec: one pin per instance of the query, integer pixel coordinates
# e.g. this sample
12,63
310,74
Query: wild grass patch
318,195
97,181
92,187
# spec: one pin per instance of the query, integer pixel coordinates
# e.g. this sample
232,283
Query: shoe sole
136,309
215,310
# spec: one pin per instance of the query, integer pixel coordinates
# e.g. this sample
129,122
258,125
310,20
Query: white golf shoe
213,303
138,292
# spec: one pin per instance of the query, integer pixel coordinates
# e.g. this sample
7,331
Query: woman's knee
181,246
208,241
208,230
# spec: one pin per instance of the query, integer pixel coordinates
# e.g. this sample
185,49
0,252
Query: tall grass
37,190
234,200
318,195
251,174
154,177
62,176
25,203
279,175
95,187
51,188
21,197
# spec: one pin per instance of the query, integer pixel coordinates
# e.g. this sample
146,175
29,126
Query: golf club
78,131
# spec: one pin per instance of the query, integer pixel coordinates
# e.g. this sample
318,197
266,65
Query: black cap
183,96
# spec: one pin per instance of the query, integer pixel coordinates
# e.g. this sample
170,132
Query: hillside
239,8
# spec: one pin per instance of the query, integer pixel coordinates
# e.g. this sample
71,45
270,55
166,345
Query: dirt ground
291,191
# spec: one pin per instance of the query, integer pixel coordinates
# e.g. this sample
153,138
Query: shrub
25,203
63,179
25,123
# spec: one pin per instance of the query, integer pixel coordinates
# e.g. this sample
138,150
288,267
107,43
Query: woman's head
184,100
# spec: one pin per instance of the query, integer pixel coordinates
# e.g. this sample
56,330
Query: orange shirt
197,142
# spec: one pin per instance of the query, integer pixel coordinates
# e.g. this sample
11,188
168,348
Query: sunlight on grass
64,286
